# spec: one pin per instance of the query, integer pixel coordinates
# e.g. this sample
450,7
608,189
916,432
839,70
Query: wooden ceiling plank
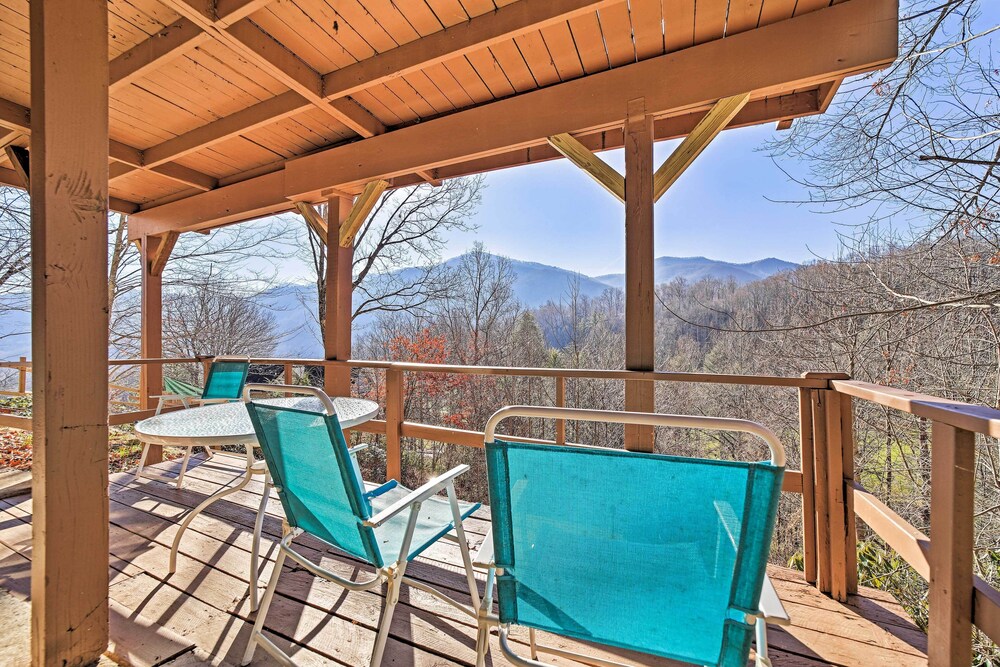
230,11
363,205
599,170
170,42
461,39
701,136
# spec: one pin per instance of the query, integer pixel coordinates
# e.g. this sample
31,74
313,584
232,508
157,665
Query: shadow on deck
203,609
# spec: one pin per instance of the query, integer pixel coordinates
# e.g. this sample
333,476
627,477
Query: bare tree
406,230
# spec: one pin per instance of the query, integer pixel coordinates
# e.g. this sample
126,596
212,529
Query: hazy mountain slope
693,269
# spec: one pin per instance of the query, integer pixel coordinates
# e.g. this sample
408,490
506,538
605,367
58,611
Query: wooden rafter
605,175
252,43
363,205
785,124
312,218
8,137
701,136
17,117
511,20
164,247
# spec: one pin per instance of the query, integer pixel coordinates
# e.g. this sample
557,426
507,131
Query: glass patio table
229,424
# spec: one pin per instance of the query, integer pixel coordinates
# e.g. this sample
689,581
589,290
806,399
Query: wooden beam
701,136
18,157
339,293
230,11
170,42
69,331
478,33
599,170
7,137
363,205
783,125
219,207
639,278
164,247
313,219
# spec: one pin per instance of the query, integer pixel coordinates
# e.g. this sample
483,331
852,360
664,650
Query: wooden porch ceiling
225,110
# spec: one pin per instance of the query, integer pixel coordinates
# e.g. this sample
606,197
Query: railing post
806,450
288,376
393,422
22,376
560,403
832,473
953,459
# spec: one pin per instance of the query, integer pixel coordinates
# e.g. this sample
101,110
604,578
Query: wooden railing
832,499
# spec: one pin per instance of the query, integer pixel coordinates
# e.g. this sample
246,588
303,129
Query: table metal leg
204,504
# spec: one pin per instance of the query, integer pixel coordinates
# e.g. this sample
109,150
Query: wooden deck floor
205,602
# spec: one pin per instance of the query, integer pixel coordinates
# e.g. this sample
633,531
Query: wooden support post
339,292
289,377
22,376
808,486
151,334
560,403
69,330
394,398
949,632
639,269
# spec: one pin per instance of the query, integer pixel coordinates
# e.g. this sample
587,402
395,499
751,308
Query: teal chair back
226,378
315,478
659,554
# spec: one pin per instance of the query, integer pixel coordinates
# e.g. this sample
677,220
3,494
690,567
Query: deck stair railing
832,499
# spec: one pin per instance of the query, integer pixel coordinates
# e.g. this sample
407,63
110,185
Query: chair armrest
379,490
172,397
358,448
417,495
484,555
770,605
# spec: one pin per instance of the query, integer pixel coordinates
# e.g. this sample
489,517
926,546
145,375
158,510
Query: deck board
206,600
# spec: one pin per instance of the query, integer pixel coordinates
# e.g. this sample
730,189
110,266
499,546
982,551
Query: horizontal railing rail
832,499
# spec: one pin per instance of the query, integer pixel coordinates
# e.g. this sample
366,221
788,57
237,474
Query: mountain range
535,284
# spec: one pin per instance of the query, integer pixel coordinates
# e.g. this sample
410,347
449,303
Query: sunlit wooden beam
701,136
363,205
162,253
593,166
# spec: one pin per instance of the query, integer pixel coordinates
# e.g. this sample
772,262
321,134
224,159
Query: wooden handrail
968,417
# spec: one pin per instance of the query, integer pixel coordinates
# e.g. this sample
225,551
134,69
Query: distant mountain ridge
693,269
293,305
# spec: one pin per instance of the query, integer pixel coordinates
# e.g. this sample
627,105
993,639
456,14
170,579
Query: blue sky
728,205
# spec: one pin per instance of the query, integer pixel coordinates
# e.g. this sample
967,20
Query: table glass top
232,420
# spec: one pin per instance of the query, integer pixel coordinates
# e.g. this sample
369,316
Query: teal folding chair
321,490
658,554
224,384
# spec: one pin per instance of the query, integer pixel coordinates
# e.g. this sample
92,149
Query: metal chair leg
393,585
258,528
258,625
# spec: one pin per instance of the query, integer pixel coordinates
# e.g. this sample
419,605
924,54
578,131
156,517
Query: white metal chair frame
770,607
392,575
187,402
